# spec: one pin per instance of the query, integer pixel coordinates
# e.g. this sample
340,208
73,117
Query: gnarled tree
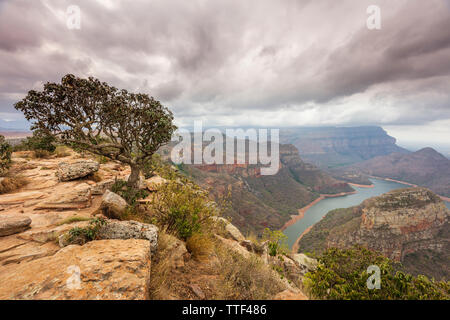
93,116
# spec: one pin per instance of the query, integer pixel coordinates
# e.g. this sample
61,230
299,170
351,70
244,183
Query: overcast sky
236,63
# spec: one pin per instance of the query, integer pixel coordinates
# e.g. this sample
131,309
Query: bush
342,274
62,151
39,141
9,184
182,209
199,245
277,242
80,236
5,155
41,154
246,278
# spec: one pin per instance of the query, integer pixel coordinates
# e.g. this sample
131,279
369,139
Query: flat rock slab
103,269
13,224
27,252
20,197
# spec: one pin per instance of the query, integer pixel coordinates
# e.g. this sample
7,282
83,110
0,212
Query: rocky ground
66,192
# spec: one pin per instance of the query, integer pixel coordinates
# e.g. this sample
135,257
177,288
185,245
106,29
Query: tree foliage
5,155
94,116
342,274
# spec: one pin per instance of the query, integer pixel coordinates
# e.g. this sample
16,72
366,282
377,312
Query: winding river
320,209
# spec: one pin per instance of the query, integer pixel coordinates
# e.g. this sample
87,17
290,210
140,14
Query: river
320,209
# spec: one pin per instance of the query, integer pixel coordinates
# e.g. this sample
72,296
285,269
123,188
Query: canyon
409,225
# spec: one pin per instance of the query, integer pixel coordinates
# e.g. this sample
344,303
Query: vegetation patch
182,209
245,278
342,274
80,236
10,184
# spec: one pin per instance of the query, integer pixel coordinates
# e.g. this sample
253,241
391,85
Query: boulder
175,252
104,269
130,230
102,186
79,169
11,225
113,205
231,232
306,263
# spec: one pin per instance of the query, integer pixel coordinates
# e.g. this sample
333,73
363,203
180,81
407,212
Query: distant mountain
410,226
426,167
329,147
259,201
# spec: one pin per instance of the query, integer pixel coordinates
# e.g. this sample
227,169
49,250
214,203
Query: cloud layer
229,62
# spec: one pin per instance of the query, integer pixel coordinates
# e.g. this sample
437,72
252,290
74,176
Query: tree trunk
133,180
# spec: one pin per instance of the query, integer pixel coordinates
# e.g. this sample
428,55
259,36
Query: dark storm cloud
306,62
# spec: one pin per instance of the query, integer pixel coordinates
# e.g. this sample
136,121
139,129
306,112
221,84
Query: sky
244,63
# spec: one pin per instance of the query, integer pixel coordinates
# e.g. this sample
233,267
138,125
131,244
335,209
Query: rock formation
397,224
79,169
336,146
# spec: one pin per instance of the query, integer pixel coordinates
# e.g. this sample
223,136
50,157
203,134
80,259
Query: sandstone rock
175,251
154,183
130,230
13,224
231,231
20,197
79,169
235,246
101,187
76,197
43,235
113,205
27,252
104,269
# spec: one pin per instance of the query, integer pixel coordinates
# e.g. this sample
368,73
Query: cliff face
397,224
337,146
259,201
425,167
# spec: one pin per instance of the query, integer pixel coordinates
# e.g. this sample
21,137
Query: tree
5,155
94,116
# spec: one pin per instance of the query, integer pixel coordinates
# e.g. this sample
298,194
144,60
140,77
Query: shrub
9,184
342,274
41,154
277,241
72,220
80,236
199,245
62,151
38,141
5,155
245,278
182,209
